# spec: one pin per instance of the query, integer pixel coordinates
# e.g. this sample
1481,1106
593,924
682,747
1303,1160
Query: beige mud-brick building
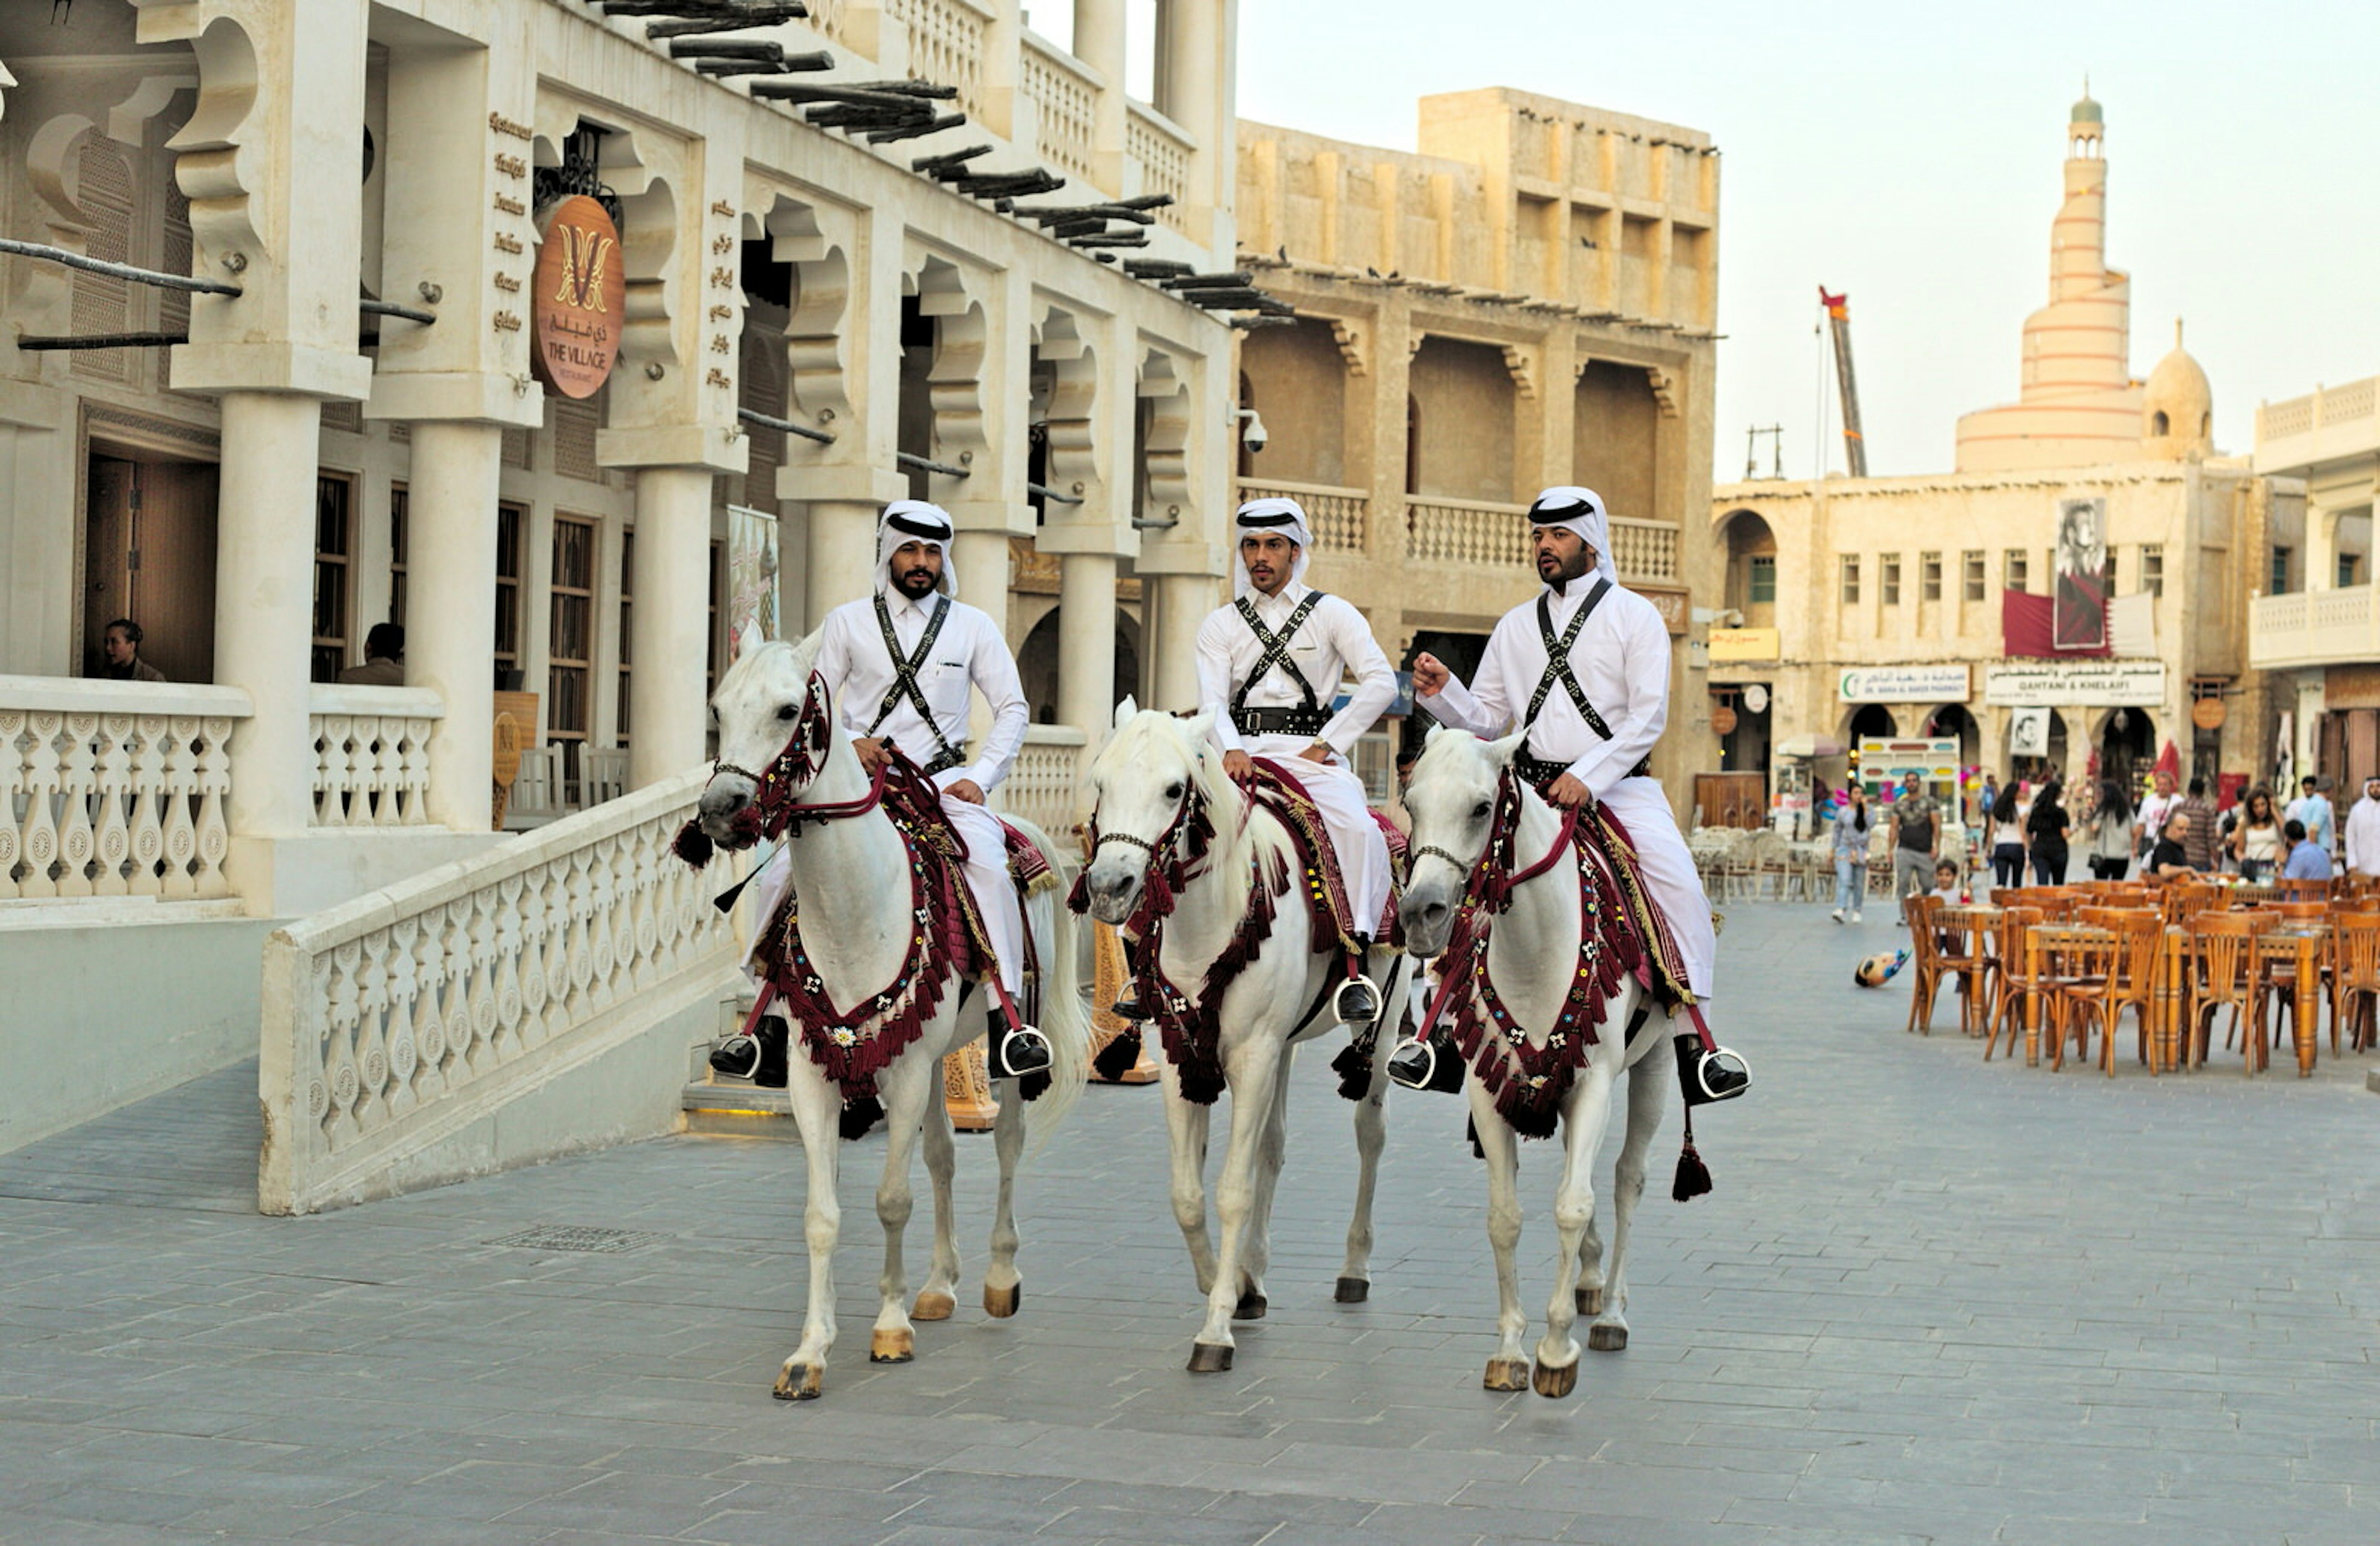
1528,300
1873,606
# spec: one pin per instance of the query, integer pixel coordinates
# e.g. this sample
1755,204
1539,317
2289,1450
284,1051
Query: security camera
1252,433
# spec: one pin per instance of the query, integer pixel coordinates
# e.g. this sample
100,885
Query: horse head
1452,801
1144,786
759,705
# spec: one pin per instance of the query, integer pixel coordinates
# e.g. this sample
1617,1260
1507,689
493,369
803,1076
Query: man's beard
1567,569
918,584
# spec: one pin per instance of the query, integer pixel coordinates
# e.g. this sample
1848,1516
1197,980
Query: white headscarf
1272,517
914,520
1579,511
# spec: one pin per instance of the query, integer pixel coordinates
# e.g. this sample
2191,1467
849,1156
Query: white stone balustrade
1479,532
1161,148
1340,518
1644,550
395,1022
946,44
371,755
1045,786
114,788
2314,627
1065,102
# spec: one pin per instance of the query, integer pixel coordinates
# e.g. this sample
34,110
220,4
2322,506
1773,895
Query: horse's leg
905,1088
937,1298
1004,1286
1584,1115
1271,1154
1371,1136
1252,1069
1185,1131
1509,1370
817,1105
1589,1299
1649,1082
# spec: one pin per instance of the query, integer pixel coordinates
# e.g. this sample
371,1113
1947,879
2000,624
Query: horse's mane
804,652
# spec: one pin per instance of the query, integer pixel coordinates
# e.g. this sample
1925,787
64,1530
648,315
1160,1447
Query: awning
1811,746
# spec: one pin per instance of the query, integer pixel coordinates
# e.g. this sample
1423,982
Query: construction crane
1839,313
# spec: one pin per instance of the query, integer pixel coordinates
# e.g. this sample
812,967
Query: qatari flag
2026,630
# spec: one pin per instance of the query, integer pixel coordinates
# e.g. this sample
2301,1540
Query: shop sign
1904,684
2058,684
1743,644
1672,604
579,292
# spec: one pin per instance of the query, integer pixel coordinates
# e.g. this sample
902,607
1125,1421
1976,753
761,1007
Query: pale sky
1909,155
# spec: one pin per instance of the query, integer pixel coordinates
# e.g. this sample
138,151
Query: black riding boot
1710,1074
760,1056
1014,1051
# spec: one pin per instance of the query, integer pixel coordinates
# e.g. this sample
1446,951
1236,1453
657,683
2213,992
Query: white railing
1163,153
1065,101
114,788
1466,531
1644,549
2330,408
827,18
371,754
945,45
398,1021
2314,627
1045,786
1340,519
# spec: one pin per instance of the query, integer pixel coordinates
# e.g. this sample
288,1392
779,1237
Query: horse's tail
1066,1016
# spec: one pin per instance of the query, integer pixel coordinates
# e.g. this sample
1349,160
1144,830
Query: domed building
2072,598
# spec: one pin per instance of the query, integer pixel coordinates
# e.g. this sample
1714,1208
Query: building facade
1528,300
830,293
1880,606
2316,625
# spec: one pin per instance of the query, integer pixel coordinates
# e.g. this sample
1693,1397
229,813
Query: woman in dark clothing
2047,826
2111,832
2007,838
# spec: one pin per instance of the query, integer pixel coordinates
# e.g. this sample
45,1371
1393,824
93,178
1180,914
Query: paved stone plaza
1930,1300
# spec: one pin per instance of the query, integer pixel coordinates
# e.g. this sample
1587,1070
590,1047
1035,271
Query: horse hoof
1000,1303
932,1307
1506,1374
799,1382
895,1347
1607,1338
1353,1291
1555,1382
1590,1300
1210,1357
1252,1306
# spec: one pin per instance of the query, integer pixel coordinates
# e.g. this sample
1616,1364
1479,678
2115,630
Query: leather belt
1539,773
1280,722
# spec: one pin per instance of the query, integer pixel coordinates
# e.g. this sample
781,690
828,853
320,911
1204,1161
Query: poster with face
2078,617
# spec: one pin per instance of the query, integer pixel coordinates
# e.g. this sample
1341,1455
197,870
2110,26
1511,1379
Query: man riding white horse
1268,665
1593,659
901,665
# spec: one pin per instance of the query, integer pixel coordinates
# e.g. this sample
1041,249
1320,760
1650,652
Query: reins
798,764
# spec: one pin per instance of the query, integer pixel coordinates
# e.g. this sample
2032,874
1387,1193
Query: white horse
1151,783
848,872
1533,960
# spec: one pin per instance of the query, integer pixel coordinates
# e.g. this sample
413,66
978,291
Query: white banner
2058,684
1904,684
2029,732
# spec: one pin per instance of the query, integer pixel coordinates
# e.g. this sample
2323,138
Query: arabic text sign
579,293
2095,684
1904,684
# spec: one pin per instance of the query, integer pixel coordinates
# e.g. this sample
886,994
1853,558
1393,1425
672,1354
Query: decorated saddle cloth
1324,883
851,1044
1622,934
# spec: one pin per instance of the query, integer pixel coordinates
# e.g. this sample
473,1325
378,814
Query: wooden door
1732,800
149,555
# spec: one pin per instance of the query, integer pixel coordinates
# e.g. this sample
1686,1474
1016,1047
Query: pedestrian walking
1850,839
2111,832
2364,831
1916,839
2006,818
2047,830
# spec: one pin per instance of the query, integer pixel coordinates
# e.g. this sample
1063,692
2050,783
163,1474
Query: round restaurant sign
579,293
2208,714
1723,719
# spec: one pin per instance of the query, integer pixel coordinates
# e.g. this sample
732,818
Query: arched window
2157,423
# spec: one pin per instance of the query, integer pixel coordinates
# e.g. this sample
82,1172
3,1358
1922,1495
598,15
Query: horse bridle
798,763
1477,873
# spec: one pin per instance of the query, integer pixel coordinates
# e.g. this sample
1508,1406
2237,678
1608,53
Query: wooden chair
604,774
2223,973
1925,964
2069,968
1962,954
2012,980
2131,980
2312,909
2303,891
2355,977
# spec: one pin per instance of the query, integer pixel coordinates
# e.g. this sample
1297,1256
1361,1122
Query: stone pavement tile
771,1528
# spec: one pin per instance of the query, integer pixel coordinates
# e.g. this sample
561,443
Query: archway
1869,721
1952,722
1037,663
2127,748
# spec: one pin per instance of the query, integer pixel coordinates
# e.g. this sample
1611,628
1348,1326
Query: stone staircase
733,1108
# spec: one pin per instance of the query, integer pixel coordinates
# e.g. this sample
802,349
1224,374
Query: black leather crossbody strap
1275,648
904,679
1558,662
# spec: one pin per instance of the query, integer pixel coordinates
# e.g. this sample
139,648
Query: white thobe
968,653
2363,837
1333,642
1621,661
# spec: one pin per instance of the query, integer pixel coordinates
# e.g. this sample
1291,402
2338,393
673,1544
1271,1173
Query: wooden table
2048,938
